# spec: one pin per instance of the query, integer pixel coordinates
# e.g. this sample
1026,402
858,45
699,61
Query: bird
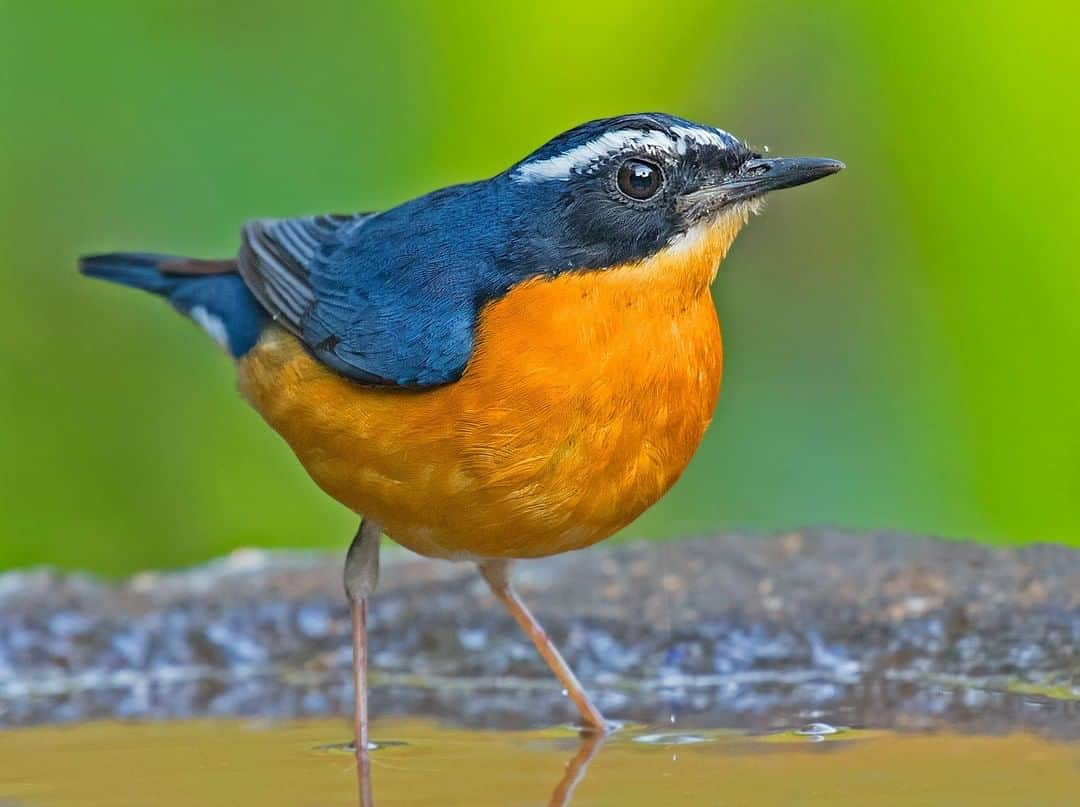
504,369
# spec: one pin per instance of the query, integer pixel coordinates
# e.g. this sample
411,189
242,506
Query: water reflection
589,745
269,764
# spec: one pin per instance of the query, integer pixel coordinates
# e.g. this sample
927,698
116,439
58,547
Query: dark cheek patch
610,232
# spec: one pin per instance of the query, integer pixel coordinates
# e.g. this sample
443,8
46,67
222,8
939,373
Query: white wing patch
212,324
581,158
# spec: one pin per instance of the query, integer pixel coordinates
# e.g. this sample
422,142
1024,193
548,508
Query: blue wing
387,298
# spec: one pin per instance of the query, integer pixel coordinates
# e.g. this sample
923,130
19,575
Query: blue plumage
397,299
220,303
394,298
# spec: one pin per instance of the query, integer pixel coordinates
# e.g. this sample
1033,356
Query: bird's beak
759,175
753,179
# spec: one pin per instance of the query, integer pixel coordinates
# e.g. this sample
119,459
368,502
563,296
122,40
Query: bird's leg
361,577
497,575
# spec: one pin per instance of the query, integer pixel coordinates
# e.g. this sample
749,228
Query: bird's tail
211,293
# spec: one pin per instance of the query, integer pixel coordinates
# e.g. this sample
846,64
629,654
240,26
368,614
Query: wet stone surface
758,633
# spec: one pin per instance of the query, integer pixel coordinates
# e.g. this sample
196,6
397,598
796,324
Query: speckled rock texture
749,632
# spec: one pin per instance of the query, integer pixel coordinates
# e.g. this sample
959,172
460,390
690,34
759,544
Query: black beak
760,175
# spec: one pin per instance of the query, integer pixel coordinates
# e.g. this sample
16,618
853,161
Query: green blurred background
902,340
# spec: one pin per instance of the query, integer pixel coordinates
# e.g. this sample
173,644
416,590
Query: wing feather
390,298
275,261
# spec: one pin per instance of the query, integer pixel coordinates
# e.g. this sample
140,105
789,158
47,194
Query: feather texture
585,398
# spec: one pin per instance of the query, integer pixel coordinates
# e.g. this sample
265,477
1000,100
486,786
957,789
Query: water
835,681
294,763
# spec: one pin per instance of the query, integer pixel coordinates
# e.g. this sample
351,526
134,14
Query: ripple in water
350,746
816,732
671,738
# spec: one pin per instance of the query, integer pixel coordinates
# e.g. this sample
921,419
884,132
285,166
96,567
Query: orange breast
585,398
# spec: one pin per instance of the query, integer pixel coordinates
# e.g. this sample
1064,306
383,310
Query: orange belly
584,400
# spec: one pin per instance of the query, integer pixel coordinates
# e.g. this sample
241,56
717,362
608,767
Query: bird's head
625,189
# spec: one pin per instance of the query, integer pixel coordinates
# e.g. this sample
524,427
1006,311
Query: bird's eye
639,179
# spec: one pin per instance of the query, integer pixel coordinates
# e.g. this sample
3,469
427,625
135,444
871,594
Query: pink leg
361,577
360,707
497,575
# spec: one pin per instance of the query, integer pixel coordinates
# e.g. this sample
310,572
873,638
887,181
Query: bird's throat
684,269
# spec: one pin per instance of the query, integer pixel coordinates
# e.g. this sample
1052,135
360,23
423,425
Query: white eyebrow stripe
563,166
706,136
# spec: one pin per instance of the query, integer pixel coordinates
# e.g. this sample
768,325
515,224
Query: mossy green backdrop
903,340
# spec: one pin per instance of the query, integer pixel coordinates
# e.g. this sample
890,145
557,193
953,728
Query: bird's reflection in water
363,777
589,745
